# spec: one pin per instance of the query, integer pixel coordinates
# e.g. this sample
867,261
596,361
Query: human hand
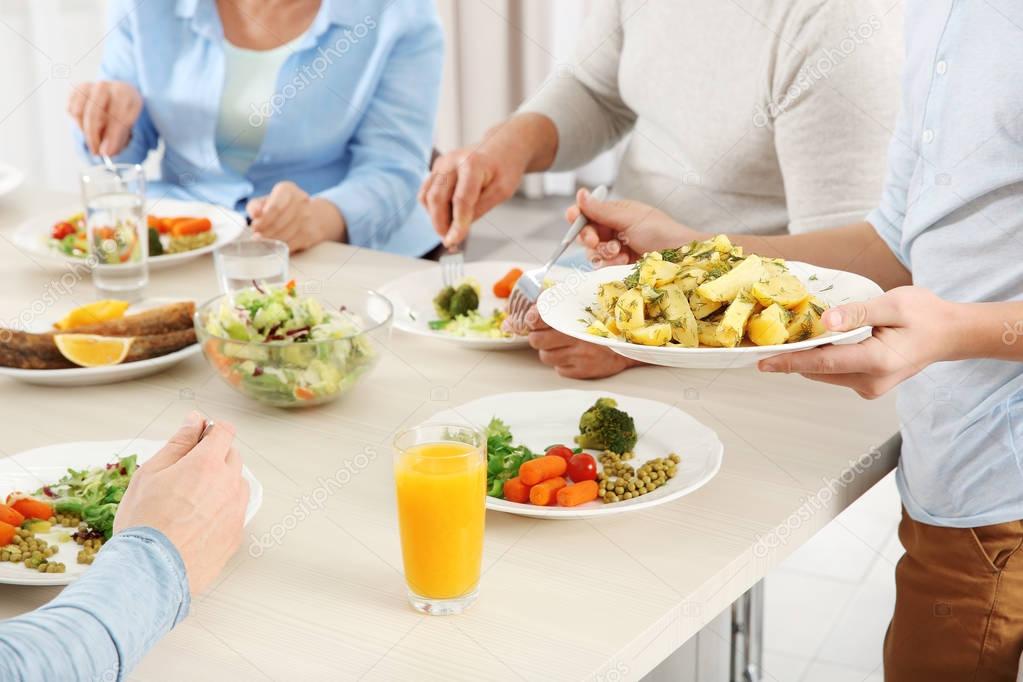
620,231
466,183
571,358
912,329
192,492
105,112
289,214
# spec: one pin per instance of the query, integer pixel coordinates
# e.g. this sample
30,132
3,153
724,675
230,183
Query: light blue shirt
351,118
101,626
952,211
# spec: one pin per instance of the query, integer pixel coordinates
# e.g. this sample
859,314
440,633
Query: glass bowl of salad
279,347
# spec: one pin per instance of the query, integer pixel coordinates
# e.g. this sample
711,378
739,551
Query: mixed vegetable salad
567,477
166,235
283,348
83,503
457,308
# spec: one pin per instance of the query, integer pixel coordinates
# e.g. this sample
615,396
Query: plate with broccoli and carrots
468,314
178,231
577,454
58,502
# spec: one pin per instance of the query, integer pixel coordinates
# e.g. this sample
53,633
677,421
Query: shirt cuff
890,233
358,208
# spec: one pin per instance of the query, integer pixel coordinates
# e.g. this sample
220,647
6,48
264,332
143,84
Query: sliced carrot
11,515
545,494
193,226
515,490
503,287
33,509
303,393
542,468
578,493
7,533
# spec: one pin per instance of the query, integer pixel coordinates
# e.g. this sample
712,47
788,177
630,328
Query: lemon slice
90,350
98,311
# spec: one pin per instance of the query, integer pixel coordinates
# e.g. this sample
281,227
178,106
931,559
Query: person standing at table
764,117
946,240
138,587
315,116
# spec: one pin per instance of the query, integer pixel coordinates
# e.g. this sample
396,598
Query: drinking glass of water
118,237
251,262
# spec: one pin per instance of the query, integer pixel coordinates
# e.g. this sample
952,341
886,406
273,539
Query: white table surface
559,600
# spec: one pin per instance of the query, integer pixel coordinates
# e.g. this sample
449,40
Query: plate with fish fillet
100,343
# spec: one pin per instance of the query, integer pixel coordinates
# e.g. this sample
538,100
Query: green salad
458,314
290,348
91,494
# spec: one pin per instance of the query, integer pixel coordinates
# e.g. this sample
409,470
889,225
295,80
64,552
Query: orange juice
441,490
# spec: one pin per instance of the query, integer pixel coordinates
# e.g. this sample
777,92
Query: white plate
564,309
33,235
29,470
94,376
10,178
538,420
412,297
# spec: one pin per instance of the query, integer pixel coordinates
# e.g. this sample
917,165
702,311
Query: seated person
139,586
316,115
758,124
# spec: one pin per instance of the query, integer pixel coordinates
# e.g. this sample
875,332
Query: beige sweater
746,115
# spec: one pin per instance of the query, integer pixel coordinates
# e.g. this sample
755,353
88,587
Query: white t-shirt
247,102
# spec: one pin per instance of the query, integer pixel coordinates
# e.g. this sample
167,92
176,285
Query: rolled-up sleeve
584,101
890,214
100,626
390,149
120,63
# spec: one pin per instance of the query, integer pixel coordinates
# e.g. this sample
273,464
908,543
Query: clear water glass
243,263
117,234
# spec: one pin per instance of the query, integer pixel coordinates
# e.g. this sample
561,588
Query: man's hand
620,231
194,494
571,358
105,111
912,329
463,185
289,214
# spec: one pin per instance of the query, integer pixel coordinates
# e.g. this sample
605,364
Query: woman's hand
289,214
620,231
194,494
571,358
105,111
912,329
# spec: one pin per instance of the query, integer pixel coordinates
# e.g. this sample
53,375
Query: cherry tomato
582,467
561,451
62,229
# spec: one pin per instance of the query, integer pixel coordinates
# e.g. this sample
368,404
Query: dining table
316,590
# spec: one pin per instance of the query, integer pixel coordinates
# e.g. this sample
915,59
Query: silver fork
452,266
530,284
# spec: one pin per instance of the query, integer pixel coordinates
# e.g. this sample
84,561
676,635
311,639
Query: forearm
528,139
854,248
985,330
101,625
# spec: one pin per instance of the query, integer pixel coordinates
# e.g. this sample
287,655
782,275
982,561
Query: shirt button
941,67
928,136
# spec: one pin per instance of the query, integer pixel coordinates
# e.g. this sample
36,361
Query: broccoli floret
464,300
442,302
605,427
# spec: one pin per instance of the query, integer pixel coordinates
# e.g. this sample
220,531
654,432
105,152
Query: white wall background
498,51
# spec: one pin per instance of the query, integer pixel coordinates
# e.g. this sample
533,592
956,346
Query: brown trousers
958,606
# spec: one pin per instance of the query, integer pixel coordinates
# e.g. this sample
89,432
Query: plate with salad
468,314
177,230
578,454
76,487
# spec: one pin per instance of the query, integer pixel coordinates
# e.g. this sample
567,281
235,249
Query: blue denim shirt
951,210
351,119
101,625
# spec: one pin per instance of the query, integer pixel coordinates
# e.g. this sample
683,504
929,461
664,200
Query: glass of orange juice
440,472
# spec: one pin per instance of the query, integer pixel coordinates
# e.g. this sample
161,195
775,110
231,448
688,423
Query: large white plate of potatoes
705,305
